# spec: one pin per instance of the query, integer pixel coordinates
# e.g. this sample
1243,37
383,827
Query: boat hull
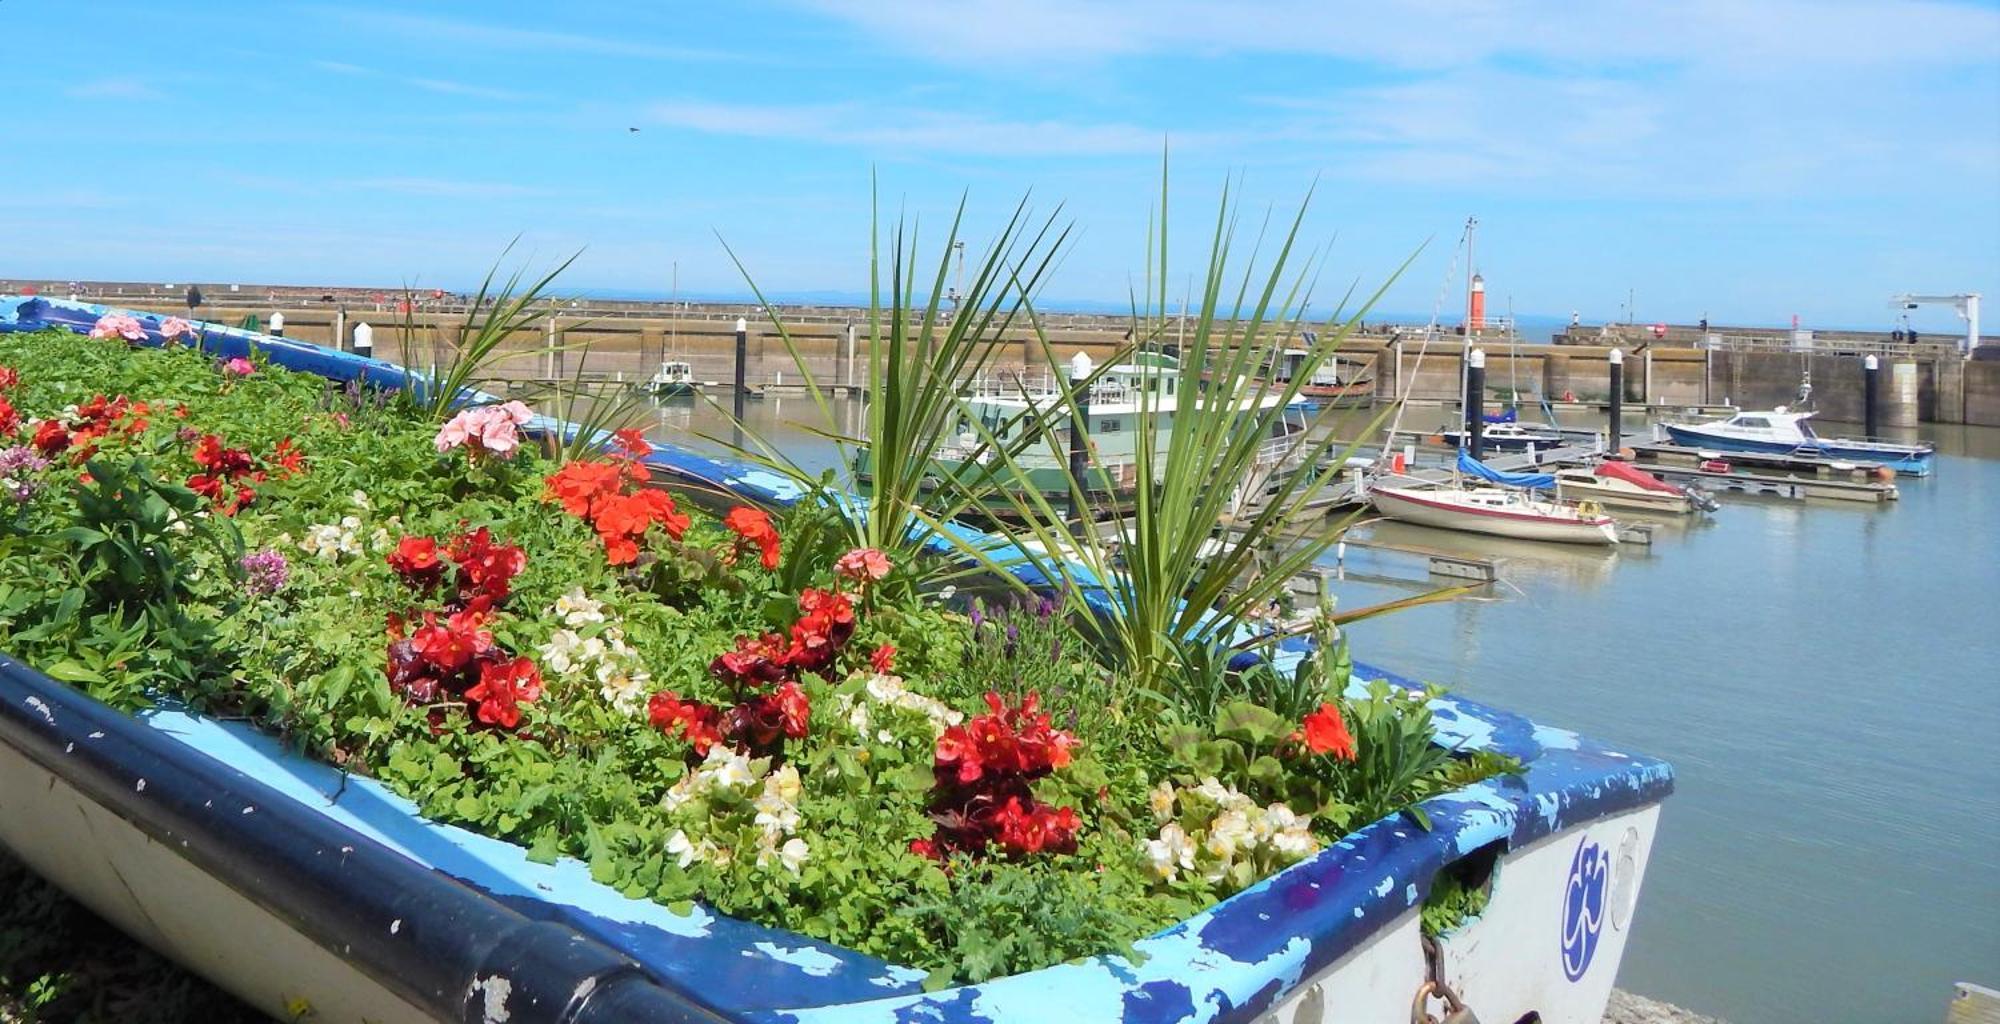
1413,507
395,917
1613,497
1906,460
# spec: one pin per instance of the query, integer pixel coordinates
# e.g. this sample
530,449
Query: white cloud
451,88
1432,33
440,30
891,130
113,89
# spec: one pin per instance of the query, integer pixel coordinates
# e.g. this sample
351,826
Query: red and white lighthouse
1475,306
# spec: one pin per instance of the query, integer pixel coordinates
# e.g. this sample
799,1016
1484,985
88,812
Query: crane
1967,306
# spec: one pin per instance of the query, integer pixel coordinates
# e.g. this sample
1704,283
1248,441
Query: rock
1626,1008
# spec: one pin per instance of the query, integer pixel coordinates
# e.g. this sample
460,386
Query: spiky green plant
919,353
464,354
1167,597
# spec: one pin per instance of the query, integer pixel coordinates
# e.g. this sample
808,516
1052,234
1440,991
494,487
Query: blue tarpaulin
1473,467
1509,416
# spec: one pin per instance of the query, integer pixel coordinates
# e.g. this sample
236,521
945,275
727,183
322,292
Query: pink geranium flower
863,565
175,327
118,325
488,429
239,367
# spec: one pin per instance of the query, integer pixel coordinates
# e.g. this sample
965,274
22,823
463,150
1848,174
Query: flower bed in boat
737,710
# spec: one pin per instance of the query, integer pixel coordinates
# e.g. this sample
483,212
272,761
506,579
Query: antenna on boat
1430,331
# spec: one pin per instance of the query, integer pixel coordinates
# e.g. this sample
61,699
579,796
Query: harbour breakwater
1680,367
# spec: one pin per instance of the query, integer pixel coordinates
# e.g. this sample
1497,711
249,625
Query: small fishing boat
1784,432
674,379
1621,485
1510,436
1499,511
1033,418
1334,382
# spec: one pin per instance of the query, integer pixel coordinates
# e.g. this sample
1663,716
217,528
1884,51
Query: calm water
1825,679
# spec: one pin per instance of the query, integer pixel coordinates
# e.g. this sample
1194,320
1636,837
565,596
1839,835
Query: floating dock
1783,476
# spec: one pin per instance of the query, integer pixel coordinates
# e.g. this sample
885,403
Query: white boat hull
1611,496
1522,523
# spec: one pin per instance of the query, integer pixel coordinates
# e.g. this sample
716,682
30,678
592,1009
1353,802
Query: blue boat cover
1473,467
1508,416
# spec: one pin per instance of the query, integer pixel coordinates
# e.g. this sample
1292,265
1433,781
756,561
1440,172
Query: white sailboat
1496,510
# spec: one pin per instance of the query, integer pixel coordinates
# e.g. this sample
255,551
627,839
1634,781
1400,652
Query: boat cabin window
1758,422
1110,425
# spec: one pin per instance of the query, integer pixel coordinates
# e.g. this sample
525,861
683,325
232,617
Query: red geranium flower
289,458
416,561
51,437
753,662
503,687
10,420
883,659
753,526
1325,732
692,719
579,484
9,377
631,443
453,645
794,709
485,570
1026,828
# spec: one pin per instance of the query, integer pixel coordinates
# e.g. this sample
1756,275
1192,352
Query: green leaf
71,672
1258,726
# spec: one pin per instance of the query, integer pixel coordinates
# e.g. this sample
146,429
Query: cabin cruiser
1621,485
1781,431
673,379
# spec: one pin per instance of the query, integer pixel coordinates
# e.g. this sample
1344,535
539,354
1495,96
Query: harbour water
1824,677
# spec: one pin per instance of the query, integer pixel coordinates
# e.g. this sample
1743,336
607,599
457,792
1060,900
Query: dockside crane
1967,306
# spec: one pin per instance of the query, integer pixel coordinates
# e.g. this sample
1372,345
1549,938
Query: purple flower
1045,607
266,571
19,466
978,614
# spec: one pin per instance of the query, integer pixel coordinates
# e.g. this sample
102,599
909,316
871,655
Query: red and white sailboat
1499,511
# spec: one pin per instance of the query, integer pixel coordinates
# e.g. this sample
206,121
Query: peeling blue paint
1226,963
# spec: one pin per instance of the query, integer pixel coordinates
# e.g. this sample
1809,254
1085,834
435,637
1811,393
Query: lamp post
1079,432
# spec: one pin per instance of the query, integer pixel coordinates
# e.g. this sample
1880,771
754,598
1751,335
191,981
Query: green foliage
128,586
919,353
462,356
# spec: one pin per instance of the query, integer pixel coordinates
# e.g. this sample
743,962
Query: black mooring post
1870,383
742,366
1079,436
1475,403
1617,439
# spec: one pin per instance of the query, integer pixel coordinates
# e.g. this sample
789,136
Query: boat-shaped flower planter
321,896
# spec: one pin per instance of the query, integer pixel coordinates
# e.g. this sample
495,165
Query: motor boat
1620,485
1783,432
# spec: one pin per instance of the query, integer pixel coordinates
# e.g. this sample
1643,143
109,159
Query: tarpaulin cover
1634,475
1473,467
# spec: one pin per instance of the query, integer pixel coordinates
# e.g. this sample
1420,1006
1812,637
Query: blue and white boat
315,894
1783,432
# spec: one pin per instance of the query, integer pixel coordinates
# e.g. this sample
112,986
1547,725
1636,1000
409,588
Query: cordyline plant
463,355
1169,603
919,355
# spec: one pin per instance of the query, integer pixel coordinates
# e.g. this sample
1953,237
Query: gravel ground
1627,1008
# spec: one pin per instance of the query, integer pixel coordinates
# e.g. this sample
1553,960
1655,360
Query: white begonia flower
723,856
775,815
793,854
785,783
684,851
1295,843
559,654
1229,831
686,789
359,499
731,771
884,688
1161,800
621,690
1170,854
577,609
380,540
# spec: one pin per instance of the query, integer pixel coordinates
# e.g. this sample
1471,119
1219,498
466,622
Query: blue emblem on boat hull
1583,906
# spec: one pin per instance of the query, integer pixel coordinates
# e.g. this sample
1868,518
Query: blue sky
1748,160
